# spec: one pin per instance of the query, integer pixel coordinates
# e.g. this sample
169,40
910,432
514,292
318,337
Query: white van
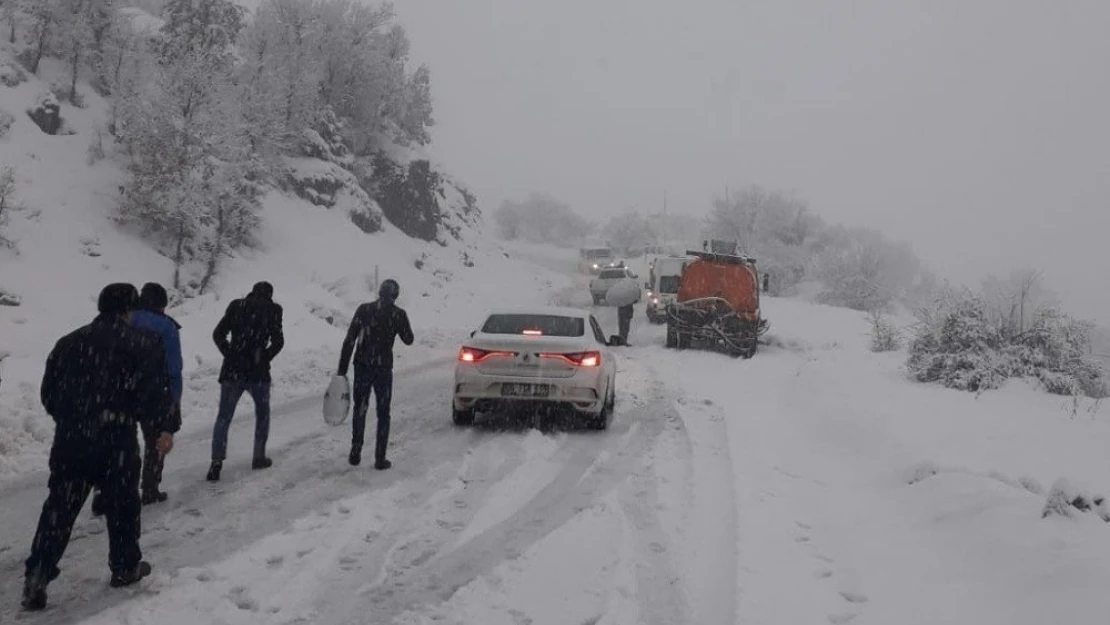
662,285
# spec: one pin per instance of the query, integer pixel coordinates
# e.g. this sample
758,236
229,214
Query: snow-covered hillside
322,266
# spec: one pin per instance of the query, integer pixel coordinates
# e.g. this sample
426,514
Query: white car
550,357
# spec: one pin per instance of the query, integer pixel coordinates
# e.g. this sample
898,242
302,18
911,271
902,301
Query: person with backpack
97,385
249,336
370,337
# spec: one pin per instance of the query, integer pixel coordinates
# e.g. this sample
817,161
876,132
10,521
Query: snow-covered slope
321,266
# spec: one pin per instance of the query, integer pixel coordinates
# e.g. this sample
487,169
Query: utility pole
664,218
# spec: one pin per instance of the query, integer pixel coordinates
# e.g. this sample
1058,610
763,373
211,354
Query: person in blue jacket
151,317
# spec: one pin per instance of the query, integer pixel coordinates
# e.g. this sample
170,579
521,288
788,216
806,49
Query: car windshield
612,274
596,254
668,284
546,325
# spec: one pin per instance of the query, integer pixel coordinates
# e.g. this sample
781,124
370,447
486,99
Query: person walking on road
151,317
624,322
374,329
98,383
254,324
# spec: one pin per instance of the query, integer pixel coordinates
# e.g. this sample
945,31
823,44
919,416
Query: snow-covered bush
959,345
885,336
1066,499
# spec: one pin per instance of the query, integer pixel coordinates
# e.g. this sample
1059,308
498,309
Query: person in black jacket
254,323
374,329
100,381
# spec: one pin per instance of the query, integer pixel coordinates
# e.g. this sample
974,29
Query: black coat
104,375
374,329
254,323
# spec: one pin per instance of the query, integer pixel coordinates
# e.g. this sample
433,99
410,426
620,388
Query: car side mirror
615,341
472,333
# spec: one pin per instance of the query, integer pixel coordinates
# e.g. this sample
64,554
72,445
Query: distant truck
717,305
662,285
591,260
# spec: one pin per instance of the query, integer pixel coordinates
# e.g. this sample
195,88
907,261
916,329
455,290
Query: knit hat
117,298
263,290
154,296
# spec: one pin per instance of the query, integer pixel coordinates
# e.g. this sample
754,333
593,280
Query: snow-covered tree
1015,300
7,200
629,231
188,152
542,218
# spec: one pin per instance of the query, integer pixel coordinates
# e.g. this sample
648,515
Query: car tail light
580,359
473,354
532,333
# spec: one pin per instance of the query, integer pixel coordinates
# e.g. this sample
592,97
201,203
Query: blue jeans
230,393
380,381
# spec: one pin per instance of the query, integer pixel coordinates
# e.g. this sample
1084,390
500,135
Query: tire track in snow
421,581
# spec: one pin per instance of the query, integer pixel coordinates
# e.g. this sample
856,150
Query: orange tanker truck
717,305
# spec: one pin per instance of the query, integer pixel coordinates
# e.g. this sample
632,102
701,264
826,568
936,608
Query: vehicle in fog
662,285
592,260
553,359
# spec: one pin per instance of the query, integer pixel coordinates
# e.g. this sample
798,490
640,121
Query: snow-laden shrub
958,345
1066,499
11,75
885,336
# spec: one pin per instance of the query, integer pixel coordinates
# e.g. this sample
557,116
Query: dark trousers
380,381
110,463
230,394
153,461
624,321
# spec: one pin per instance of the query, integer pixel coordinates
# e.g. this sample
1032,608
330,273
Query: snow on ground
812,483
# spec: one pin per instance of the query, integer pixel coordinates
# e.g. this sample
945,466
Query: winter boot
154,496
34,594
214,471
262,463
356,455
382,464
127,578
98,504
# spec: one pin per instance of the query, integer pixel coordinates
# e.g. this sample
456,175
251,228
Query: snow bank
867,498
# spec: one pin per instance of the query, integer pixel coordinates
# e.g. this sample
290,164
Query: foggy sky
977,130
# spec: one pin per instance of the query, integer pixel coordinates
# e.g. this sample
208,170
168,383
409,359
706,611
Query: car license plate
525,390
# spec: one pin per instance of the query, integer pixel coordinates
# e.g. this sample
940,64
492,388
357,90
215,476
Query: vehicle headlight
655,300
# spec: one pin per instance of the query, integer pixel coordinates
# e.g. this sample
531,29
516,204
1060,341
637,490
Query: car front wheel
462,417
